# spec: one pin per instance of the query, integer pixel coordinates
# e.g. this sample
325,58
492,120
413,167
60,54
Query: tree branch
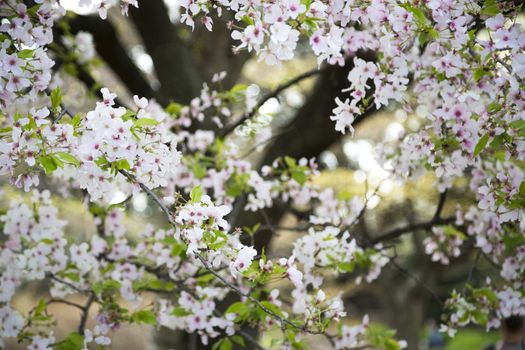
270,95
395,233
441,204
177,74
66,302
109,47
85,314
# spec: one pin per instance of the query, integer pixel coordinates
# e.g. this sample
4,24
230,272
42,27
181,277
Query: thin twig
273,94
263,142
436,220
508,68
362,211
416,279
70,285
471,271
66,302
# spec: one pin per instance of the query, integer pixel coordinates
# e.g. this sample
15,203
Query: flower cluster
444,243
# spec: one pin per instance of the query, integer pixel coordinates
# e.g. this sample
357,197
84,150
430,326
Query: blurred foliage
472,339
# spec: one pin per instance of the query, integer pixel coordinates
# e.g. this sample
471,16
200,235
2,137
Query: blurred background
151,54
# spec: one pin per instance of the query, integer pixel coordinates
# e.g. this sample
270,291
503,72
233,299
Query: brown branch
85,314
395,233
70,285
441,204
85,308
436,220
66,302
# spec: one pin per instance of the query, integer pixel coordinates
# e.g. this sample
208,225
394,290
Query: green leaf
68,158
196,194
47,241
247,20
106,286
178,249
290,162
299,176
494,107
392,344
174,108
144,316
198,170
480,317
128,115
237,88
237,339
73,276
419,15
96,209
239,308
519,126
56,98
102,162
423,38
272,307
481,144
478,74
123,164
346,266
145,122
498,141
226,344
490,8
59,163
25,54
48,164
237,91
76,120
41,307
74,341
180,312
451,231
433,33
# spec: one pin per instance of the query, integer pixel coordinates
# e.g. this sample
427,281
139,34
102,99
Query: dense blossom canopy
458,64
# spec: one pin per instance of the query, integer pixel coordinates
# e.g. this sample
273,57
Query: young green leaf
481,144
196,194
68,158
56,98
145,122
